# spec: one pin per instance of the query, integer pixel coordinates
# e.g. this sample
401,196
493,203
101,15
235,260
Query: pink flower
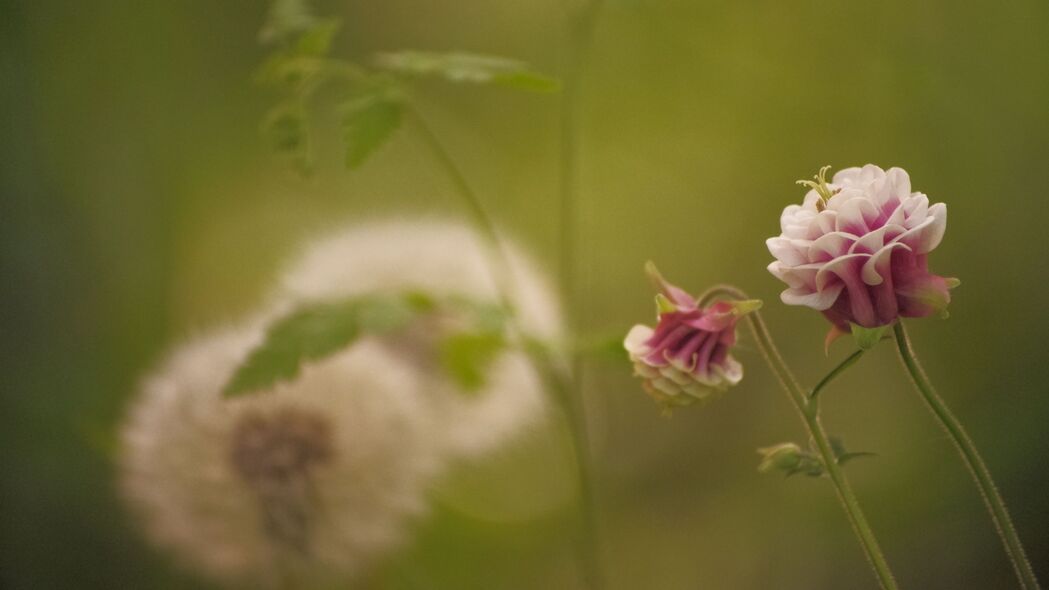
857,249
686,358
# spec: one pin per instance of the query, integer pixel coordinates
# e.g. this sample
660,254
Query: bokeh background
140,206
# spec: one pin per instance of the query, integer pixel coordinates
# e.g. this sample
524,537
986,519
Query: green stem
810,417
845,364
559,380
581,28
991,498
498,259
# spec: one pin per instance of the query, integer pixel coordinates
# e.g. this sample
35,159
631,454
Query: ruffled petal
878,268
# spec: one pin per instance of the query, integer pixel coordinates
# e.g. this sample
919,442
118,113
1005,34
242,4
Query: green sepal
867,338
664,305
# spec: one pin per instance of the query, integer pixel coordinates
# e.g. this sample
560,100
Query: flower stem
559,380
991,498
581,27
498,260
845,364
810,416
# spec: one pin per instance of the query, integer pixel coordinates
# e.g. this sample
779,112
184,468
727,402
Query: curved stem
481,220
810,416
991,498
560,381
845,364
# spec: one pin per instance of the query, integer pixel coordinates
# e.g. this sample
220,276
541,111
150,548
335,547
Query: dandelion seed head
441,259
318,477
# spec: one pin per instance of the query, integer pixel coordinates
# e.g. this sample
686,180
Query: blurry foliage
371,101
315,331
137,205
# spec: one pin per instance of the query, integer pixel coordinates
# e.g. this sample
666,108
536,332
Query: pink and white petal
830,246
899,181
917,209
803,276
847,268
636,339
787,251
818,300
826,221
856,215
933,234
787,217
913,236
869,243
878,268
847,176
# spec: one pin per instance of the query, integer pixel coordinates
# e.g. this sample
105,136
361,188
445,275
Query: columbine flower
441,259
310,482
856,249
687,357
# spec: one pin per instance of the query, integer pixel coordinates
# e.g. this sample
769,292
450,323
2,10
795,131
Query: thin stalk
581,27
810,416
991,498
845,364
498,259
559,380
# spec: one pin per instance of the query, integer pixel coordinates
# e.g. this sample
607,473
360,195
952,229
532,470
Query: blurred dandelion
444,260
311,481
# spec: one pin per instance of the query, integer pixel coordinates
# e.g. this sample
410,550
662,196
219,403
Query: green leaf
843,456
466,356
316,331
467,67
316,42
367,122
287,18
286,129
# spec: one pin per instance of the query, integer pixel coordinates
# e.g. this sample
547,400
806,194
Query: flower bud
687,357
789,458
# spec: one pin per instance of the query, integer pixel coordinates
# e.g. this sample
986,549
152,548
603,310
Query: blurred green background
139,206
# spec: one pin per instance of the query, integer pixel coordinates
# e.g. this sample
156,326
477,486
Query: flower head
857,247
442,260
312,481
687,357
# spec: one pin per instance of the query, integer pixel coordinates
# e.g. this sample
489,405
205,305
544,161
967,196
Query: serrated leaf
367,122
314,332
466,356
467,67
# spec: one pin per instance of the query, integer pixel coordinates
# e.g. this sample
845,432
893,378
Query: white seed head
441,259
315,479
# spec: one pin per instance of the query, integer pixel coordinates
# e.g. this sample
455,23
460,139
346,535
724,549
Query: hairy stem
845,364
991,498
810,417
559,380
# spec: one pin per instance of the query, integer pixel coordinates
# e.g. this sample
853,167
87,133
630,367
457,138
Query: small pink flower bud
686,358
857,249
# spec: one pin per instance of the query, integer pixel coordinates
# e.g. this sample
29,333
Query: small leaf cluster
791,459
318,330
371,100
